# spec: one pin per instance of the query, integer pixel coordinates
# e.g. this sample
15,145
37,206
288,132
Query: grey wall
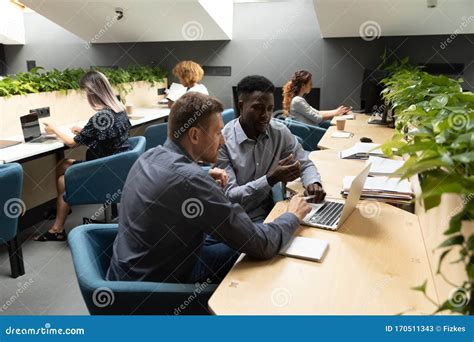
271,39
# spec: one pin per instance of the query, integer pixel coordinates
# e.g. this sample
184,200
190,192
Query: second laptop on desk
31,129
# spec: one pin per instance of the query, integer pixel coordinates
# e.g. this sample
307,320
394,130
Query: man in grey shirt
169,205
260,152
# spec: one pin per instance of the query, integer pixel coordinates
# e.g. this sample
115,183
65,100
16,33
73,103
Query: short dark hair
190,110
252,83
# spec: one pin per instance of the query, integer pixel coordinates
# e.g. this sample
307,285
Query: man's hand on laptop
299,207
316,190
220,176
287,170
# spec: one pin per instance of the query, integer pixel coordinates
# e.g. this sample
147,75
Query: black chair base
110,215
16,258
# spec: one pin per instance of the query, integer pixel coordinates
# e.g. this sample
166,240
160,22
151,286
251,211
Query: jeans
215,261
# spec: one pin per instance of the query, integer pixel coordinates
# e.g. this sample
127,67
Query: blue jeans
215,261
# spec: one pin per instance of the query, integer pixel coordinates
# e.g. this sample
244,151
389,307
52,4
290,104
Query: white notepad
341,134
306,248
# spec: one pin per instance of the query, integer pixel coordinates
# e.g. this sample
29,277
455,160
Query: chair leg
16,258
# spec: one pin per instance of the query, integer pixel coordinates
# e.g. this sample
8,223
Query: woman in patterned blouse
105,133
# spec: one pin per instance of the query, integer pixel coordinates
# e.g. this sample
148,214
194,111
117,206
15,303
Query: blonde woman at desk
105,133
189,74
296,107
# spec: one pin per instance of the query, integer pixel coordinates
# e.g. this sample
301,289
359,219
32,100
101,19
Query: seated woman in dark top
105,133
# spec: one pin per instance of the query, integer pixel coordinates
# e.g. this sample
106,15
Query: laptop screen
30,126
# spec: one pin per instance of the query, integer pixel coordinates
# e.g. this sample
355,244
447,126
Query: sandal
51,237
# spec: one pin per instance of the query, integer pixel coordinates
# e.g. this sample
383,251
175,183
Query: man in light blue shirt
260,152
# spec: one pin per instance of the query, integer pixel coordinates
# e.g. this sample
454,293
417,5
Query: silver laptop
332,213
31,129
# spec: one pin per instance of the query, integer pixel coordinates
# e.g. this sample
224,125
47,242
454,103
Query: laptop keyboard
328,214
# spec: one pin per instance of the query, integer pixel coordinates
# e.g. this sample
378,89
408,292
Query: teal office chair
11,184
101,181
228,115
91,248
311,135
156,135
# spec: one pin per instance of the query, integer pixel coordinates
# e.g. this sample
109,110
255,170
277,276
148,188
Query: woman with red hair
295,106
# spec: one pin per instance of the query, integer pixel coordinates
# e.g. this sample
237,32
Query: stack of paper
361,151
383,166
341,134
385,188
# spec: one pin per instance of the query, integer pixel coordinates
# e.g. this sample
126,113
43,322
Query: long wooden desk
24,151
360,128
373,260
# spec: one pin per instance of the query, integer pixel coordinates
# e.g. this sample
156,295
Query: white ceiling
12,27
368,18
143,20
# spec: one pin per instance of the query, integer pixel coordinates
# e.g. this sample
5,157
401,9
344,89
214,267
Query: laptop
331,214
31,129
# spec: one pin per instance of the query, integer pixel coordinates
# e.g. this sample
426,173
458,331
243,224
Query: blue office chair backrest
156,135
101,180
228,115
91,247
311,135
11,205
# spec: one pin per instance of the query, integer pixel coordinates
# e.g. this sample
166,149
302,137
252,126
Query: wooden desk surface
373,261
24,151
360,128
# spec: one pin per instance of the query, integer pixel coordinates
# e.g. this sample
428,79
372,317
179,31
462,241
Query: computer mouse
365,140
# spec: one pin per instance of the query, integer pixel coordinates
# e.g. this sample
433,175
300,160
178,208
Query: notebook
361,151
306,248
383,166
